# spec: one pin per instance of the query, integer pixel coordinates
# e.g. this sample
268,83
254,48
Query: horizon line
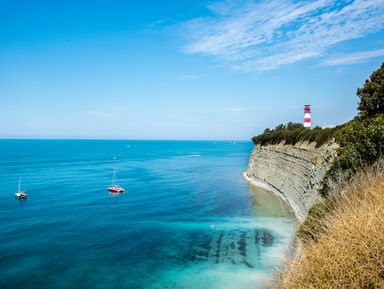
127,139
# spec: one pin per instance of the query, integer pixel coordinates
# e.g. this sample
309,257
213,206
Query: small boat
115,189
21,195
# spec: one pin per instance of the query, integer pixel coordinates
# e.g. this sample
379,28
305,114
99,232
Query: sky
182,69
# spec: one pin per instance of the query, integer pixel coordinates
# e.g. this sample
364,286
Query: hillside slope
348,250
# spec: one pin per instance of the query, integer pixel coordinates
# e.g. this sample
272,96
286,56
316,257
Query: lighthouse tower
307,116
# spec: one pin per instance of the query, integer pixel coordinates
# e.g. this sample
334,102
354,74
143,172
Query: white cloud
264,35
353,58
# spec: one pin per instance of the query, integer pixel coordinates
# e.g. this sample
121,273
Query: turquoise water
187,220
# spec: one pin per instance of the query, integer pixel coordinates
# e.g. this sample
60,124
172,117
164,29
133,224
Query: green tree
372,94
294,125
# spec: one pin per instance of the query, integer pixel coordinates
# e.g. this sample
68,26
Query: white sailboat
21,195
114,188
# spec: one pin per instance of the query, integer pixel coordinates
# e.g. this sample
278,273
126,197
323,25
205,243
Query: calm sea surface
188,219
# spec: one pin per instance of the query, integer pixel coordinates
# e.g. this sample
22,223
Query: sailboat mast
114,177
19,184
114,172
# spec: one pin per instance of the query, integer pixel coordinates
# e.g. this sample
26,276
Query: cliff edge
292,172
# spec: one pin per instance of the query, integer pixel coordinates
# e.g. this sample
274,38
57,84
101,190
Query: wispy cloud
264,35
191,76
353,58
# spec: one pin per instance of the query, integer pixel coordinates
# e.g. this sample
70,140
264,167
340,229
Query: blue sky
181,69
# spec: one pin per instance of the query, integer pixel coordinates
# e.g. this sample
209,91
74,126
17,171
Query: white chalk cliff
293,172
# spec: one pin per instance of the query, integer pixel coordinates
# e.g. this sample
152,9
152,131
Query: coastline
299,214
293,174
297,246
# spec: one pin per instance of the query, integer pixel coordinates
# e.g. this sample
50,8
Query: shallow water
187,220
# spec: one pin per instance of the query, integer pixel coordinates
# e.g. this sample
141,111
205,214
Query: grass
344,240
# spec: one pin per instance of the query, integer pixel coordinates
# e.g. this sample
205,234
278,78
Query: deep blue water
187,220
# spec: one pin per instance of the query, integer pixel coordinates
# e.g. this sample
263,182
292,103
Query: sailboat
114,188
21,195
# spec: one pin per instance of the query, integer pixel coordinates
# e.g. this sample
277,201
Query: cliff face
293,172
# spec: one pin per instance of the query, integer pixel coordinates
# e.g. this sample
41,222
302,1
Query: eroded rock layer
294,172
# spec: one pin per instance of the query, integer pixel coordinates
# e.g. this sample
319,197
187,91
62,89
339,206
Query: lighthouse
307,116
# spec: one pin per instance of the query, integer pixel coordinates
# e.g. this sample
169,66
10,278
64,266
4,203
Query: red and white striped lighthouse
307,116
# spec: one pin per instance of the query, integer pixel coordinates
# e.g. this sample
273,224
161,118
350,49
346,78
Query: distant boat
114,188
21,195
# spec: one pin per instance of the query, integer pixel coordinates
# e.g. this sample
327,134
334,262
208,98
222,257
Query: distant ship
21,195
114,188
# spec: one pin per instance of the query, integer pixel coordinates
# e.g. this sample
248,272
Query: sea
188,219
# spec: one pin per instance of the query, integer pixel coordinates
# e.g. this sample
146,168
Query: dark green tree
294,125
372,94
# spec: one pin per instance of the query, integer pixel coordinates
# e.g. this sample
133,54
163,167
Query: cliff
293,172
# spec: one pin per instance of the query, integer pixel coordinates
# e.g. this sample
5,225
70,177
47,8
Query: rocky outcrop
293,172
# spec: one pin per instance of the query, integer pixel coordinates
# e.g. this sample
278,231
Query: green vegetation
361,140
361,143
371,94
293,133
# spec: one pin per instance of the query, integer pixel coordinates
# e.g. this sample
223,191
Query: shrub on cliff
293,133
361,143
